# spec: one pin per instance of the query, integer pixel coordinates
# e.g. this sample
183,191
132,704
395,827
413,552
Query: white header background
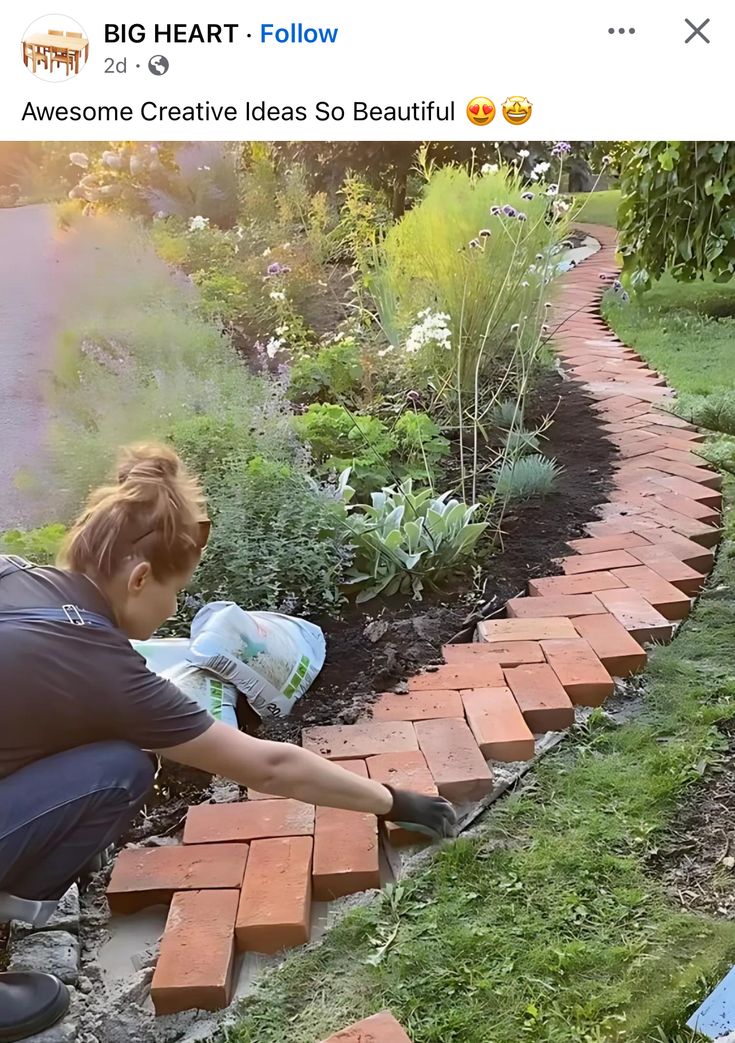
584,83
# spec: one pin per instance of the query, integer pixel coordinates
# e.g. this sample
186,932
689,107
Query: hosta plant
407,540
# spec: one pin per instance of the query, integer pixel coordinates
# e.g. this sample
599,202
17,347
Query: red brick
498,724
688,507
601,545
194,968
417,706
504,631
345,849
582,675
275,902
692,554
454,760
543,702
509,654
680,436
701,475
455,676
357,741
664,597
670,568
407,771
556,605
581,583
380,1028
694,491
619,653
612,559
637,615
150,876
248,820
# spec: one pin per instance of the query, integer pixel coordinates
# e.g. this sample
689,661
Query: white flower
433,328
384,352
489,168
267,251
286,246
198,223
239,231
524,153
562,206
524,284
541,168
273,346
79,159
281,331
552,190
277,295
160,215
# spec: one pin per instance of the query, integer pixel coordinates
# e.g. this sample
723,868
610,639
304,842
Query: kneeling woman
79,708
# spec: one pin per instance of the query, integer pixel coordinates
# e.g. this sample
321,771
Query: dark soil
697,859
377,647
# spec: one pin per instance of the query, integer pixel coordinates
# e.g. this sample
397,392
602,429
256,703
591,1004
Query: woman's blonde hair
155,512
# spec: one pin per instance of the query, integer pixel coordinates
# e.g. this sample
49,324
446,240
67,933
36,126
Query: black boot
29,1003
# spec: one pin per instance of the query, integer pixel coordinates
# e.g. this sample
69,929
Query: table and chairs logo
55,48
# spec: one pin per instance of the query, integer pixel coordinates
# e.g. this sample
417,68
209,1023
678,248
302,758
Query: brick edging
490,709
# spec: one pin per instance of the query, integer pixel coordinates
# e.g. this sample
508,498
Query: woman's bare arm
281,769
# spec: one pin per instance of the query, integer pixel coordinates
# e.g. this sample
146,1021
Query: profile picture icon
55,48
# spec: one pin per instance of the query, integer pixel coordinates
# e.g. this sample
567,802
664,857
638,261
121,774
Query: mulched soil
697,859
376,648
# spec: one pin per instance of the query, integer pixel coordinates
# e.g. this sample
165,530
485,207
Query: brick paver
380,1028
498,725
544,704
248,820
345,849
454,760
194,968
275,902
150,876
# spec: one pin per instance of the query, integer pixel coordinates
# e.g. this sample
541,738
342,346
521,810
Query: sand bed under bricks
245,876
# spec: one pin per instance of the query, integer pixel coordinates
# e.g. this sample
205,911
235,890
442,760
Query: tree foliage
678,211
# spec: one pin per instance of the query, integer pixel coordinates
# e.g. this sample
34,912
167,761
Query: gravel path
29,297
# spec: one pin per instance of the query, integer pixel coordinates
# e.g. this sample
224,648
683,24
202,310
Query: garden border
552,658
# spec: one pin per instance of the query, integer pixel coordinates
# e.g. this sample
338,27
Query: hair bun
148,463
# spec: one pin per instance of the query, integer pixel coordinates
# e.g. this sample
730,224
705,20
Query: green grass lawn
549,925
598,208
685,330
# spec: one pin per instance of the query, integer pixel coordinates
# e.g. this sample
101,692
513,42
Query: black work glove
433,816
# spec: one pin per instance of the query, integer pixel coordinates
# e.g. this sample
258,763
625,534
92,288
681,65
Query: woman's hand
432,816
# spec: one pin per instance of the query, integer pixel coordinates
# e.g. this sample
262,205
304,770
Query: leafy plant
278,542
527,476
422,446
37,545
339,439
678,210
721,453
407,540
335,371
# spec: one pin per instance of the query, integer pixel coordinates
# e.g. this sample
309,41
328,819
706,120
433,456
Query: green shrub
407,540
37,545
519,442
335,371
525,477
507,413
277,541
339,439
421,444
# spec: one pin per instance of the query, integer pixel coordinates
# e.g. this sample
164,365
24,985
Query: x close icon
697,30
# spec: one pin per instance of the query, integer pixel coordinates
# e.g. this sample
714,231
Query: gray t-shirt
63,686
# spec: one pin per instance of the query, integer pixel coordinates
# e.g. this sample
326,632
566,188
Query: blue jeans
59,812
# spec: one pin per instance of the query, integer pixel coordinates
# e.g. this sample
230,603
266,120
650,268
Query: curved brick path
628,583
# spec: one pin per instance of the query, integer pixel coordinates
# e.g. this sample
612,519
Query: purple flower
474,243
521,216
527,195
495,211
509,211
278,269
414,397
562,148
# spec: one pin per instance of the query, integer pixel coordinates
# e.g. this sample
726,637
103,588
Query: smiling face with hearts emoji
480,111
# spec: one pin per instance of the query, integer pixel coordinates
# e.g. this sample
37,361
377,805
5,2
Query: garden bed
374,648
